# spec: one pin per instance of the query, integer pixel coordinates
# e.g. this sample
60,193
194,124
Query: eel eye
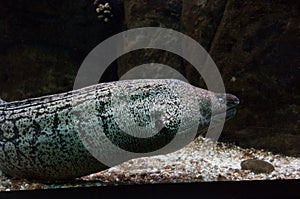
221,100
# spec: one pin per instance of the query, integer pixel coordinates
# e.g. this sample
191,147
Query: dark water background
255,45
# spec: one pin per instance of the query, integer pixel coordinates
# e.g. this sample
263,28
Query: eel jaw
231,103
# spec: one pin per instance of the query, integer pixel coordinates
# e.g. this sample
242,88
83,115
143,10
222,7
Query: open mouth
230,112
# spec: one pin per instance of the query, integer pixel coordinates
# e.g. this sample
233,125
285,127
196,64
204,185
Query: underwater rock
254,45
149,13
257,166
200,20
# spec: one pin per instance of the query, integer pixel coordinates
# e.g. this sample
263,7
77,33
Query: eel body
72,134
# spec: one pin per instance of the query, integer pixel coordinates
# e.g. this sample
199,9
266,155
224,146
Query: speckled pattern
40,138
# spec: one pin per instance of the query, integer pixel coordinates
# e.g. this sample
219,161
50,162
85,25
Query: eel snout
231,102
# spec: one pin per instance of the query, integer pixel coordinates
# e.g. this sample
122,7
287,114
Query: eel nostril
236,100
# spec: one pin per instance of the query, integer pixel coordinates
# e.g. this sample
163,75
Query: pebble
6,183
257,166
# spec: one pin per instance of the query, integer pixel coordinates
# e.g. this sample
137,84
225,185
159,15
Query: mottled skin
40,138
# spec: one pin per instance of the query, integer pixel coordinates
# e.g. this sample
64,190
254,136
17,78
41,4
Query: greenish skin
41,138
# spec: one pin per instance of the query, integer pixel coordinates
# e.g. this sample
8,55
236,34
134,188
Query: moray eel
42,138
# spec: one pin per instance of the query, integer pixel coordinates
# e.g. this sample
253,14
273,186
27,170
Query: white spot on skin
41,110
2,118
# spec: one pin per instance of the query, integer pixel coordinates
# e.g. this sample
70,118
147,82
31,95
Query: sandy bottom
198,162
